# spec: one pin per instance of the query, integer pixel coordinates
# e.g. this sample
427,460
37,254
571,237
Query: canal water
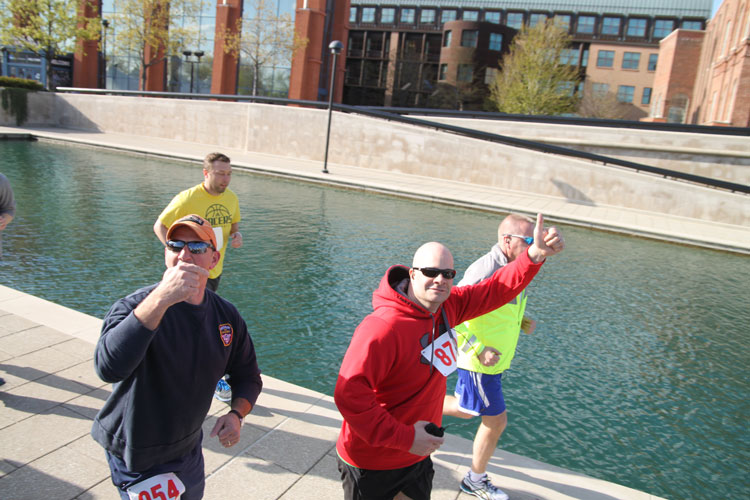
637,372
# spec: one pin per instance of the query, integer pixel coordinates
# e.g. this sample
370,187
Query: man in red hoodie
391,384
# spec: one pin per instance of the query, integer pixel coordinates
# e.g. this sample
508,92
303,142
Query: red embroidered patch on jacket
226,332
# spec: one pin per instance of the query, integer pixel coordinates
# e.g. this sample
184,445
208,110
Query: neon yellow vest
498,329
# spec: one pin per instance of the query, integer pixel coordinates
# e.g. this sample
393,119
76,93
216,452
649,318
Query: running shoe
482,488
223,391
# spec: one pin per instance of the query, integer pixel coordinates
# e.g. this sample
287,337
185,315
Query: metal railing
397,115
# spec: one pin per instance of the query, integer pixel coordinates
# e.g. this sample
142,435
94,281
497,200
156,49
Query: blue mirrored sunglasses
528,239
194,247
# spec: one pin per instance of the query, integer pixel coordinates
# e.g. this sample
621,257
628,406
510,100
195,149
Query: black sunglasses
432,272
195,247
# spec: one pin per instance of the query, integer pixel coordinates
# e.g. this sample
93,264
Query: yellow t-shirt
221,211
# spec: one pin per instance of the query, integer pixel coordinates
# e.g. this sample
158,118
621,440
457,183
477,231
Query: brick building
615,44
722,86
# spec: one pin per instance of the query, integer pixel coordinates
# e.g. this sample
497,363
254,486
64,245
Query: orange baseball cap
200,226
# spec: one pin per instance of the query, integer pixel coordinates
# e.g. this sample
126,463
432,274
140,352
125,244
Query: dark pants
414,481
189,468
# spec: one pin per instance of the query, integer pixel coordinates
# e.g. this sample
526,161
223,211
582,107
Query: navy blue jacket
164,380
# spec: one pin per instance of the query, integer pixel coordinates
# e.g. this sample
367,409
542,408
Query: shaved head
423,290
517,225
433,254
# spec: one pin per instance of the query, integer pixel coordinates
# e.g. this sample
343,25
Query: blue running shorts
479,393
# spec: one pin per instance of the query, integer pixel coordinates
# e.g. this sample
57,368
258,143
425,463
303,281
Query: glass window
447,39
652,58
567,88
490,75
569,56
600,88
469,38
448,15
515,20
496,41
374,43
646,97
535,19
443,71
585,58
586,24
427,16
387,15
692,25
611,26
563,21
353,15
636,27
625,93
492,17
356,43
407,15
465,72
471,15
631,60
368,14
663,27
605,58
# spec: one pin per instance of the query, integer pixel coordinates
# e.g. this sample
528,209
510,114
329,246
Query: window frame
600,59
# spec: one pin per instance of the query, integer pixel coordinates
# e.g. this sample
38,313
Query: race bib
162,487
444,355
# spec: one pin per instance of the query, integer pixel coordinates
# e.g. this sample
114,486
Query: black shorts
414,481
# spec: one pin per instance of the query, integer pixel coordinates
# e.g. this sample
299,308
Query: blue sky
717,3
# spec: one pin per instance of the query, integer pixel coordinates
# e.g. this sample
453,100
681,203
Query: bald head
517,225
430,292
433,254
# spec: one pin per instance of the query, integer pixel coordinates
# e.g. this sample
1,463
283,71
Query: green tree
154,29
266,38
46,27
532,79
600,102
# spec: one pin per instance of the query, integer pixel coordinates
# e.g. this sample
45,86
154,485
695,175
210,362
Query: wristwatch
242,419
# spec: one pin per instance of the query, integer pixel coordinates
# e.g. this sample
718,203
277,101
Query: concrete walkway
698,232
51,394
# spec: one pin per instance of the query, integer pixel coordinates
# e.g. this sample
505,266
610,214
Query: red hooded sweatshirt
385,385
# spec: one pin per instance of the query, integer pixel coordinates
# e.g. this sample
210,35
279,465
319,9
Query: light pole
198,54
335,47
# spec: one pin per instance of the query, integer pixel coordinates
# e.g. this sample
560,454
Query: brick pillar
226,66
156,73
86,62
307,63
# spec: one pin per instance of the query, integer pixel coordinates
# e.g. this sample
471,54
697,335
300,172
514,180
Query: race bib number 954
162,487
444,354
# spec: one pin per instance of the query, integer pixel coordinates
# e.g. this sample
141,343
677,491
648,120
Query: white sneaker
482,488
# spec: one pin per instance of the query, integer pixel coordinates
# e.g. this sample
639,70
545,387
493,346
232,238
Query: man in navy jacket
164,347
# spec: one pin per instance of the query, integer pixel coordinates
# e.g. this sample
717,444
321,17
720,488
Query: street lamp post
105,25
335,47
198,54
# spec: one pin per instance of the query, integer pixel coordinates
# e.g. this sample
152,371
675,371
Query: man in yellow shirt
214,201
486,346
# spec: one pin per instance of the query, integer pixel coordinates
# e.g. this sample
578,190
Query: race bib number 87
444,354
162,487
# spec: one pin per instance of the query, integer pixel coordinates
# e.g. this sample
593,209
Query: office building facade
615,44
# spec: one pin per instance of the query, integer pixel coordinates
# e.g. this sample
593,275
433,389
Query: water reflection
637,372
